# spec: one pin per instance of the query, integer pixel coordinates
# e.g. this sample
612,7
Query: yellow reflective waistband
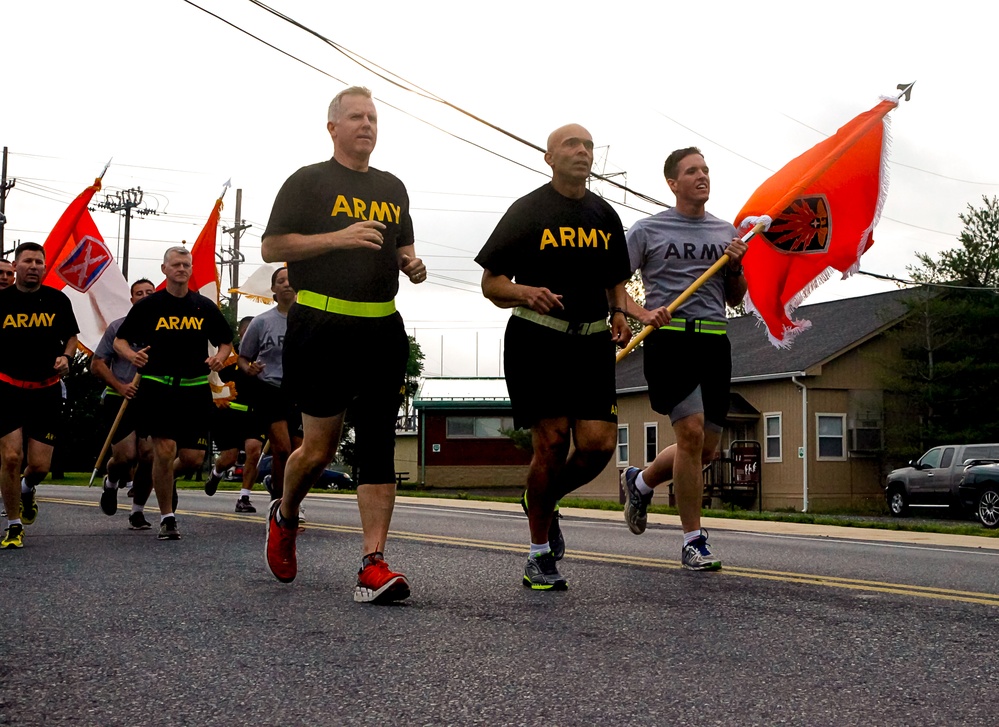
108,391
238,407
175,381
557,324
694,325
345,307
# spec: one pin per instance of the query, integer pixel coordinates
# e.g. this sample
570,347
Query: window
773,424
831,436
622,444
948,457
931,460
478,427
651,441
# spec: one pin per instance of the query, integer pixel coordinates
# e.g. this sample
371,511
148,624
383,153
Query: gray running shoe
636,505
556,541
541,573
168,530
696,556
243,504
137,521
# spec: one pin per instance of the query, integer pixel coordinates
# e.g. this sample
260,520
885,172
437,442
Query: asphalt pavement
805,625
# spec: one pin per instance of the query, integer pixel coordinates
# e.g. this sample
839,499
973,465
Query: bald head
570,155
563,132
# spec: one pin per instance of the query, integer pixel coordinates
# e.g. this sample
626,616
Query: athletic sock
136,508
164,517
689,538
216,472
24,486
15,522
244,493
536,548
640,484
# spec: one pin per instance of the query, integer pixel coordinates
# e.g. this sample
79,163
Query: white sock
24,486
136,508
640,484
542,548
244,492
689,538
14,522
216,472
164,517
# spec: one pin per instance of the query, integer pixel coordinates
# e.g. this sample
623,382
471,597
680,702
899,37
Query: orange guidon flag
824,206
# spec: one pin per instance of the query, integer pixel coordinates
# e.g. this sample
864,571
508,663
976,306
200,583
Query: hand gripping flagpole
793,192
114,428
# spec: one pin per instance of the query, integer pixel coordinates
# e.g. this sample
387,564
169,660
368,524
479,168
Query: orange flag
824,206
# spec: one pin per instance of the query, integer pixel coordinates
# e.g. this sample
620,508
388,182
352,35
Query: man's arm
410,265
617,300
217,362
735,281
102,371
504,293
292,247
137,358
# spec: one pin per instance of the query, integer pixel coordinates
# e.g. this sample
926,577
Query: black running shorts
110,406
36,412
689,373
232,427
180,413
551,374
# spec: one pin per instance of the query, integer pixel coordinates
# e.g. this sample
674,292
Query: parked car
933,479
330,479
979,491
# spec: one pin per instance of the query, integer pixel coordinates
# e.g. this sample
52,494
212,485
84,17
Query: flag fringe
884,180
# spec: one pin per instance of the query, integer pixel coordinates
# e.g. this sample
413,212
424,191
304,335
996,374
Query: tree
945,387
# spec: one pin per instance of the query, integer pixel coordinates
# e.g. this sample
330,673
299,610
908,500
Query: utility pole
125,201
5,186
237,257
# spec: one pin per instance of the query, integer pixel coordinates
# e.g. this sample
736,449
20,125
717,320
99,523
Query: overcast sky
183,102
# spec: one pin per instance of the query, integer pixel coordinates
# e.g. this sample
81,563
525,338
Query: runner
235,428
6,274
37,342
558,258
688,360
118,375
260,358
174,327
345,230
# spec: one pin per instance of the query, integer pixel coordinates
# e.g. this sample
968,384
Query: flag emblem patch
85,264
804,226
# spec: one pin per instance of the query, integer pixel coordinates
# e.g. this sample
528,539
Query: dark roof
837,326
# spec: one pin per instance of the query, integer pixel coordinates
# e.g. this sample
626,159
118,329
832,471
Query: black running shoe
109,498
556,541
168,530
212,483
29,508
243,504
541,573
137,521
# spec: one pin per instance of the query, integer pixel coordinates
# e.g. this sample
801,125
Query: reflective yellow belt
557,324
346,307
694,325
238,407
176,381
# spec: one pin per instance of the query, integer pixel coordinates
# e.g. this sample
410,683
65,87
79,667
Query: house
817,409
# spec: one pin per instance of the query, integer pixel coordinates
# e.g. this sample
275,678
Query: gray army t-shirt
264,342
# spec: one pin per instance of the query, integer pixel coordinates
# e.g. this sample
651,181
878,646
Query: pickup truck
979,491
933,479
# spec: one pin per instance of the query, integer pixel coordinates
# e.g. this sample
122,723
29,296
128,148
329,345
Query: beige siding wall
407,455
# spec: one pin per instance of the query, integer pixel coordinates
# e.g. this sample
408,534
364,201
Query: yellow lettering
359,207
174,323
605,236
380,211
548,239
568,236
162,323
396,210
9,321
341,206
37,320
587,239
22,320
51,317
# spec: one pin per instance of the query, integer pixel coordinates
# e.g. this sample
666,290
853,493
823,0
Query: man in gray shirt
688,361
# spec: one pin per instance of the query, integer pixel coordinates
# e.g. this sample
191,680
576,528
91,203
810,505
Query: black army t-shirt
34,329
573,247
177,331
328,197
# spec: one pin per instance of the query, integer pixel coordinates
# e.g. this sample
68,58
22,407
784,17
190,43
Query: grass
842,518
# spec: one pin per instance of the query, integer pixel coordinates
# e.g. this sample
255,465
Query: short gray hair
333,115
179,249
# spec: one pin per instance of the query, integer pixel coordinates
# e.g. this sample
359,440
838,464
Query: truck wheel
988,508
898,504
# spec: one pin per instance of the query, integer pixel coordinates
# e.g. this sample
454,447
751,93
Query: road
805,625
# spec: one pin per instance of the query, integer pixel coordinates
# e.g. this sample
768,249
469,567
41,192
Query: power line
951,286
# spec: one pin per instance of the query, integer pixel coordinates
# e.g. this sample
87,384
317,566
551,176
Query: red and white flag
824,206
79,264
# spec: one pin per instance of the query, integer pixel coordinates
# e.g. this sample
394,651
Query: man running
688,360
37,342
558,258
261,353
344,229
174,327
118,376
6,274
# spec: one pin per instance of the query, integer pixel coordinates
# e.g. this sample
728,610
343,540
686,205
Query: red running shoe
280,551
377,584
